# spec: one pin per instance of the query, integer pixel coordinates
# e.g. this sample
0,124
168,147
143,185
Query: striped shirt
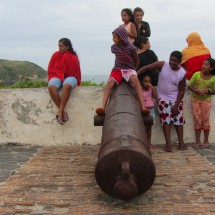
124,56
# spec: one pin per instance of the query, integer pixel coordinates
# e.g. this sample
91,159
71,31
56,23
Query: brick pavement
60,180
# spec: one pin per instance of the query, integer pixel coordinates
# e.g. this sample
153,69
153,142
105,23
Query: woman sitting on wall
63,73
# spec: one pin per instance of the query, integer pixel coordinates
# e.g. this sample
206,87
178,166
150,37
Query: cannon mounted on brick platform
124,168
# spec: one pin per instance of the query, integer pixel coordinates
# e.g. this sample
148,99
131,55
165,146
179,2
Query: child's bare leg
197,145
166,131
180,134
198,134
206,135
149,134
205,145
134,80
111,82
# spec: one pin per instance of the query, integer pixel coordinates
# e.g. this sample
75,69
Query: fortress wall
27,116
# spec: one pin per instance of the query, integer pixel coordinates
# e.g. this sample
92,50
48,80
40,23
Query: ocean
95,78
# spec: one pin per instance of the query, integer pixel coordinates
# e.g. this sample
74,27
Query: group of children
202,84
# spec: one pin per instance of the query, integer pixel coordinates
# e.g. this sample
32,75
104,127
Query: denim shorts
72,81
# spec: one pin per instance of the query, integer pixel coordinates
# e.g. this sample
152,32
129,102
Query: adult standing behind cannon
63,73
170,89
143,26
194,54
146,56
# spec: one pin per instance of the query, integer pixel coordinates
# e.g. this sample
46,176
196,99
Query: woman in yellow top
202,84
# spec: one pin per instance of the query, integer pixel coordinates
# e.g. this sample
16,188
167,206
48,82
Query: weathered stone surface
28,116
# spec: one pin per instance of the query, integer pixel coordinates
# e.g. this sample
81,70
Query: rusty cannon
124,168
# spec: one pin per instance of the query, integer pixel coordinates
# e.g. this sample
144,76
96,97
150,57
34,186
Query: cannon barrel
124,168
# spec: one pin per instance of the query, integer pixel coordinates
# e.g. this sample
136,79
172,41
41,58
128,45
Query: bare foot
205,145
167,149
151,146
182,147
196,146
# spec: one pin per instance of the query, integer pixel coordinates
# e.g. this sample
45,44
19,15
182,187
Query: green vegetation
90,83
26,82
23,74
12,71
2,86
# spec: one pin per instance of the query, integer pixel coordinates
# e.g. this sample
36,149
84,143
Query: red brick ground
60,180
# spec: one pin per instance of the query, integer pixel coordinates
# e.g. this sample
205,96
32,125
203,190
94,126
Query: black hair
138,9
177,54
130,14
139,40
67,42
146,75
141,78
212,64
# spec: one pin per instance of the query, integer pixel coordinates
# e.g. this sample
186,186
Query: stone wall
28,116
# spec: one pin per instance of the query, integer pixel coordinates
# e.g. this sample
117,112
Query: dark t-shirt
144,26
147,57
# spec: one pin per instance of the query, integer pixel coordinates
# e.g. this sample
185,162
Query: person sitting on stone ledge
63,73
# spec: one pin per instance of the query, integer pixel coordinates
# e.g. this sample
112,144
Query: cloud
30,30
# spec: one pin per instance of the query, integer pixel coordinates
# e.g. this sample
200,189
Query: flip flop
65,117
196,146
100,111
204,145
60,120
166,149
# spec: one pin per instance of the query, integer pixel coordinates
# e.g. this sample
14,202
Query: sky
30,29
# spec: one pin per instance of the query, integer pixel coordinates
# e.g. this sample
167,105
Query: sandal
166,149
204,145
60,120
65,117
196,146
100,111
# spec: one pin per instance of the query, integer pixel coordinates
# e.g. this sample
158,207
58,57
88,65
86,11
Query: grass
90,83
27,82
